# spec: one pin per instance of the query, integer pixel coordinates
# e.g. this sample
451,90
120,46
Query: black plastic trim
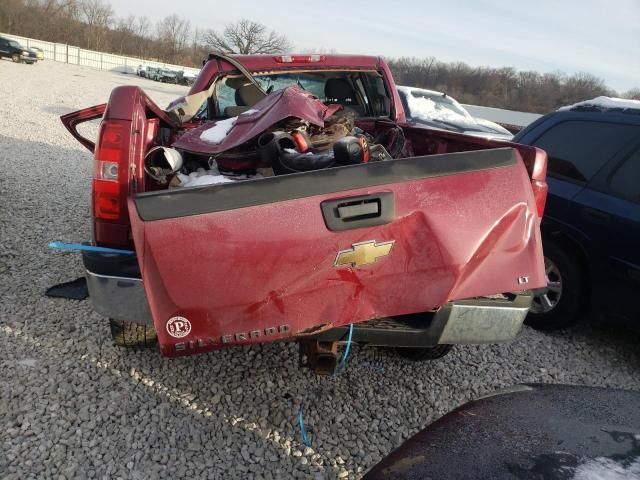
111,264
217,198
383,203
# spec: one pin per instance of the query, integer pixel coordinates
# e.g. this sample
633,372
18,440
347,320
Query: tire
562,307
132,335
423,353
15,58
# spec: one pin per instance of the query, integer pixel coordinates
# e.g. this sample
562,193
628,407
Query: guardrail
61,52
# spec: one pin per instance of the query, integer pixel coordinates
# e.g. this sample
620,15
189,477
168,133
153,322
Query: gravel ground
74,406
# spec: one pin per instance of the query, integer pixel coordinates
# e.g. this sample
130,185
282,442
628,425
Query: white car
439,110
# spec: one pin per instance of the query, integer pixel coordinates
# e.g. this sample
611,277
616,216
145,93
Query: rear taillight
110,177
540,190
539,180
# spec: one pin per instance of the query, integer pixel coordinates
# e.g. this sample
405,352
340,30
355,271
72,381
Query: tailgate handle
358,212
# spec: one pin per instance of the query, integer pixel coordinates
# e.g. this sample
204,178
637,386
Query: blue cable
89,248
305,439
343,360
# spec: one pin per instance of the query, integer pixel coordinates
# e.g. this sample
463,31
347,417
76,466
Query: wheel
559,304
423,353
132,335
16,58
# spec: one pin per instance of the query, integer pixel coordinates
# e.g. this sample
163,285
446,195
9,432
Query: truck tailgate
284,256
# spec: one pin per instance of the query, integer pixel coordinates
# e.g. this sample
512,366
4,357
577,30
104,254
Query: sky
601,37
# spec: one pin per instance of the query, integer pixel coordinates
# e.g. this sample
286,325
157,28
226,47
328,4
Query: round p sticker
178,327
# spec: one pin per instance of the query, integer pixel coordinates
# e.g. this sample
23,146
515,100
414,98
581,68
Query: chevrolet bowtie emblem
363,253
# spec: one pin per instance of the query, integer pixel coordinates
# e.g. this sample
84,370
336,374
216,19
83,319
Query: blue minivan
591,226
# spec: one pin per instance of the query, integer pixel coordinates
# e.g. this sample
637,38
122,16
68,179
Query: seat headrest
248,95
339,90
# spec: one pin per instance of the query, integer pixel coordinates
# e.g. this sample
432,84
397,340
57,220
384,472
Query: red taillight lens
540,190
539,180
106,200
109,182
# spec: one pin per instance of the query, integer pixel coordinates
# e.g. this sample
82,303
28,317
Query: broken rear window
362,92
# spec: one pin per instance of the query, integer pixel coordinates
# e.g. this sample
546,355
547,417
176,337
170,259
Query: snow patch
210,177
607,469
606,103
422,106
219,131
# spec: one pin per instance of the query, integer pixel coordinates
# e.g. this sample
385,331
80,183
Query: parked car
166,75
356,222
527,432
39,52
591,226
16,52
147,72
185,78
439,110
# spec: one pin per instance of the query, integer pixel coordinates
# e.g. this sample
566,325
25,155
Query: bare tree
633,94
246,37
143,27
173,33
124,34
98,16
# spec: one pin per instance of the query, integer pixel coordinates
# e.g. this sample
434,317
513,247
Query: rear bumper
473,321
115,287
116,291
120,298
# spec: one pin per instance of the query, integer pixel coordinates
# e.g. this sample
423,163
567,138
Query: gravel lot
74,406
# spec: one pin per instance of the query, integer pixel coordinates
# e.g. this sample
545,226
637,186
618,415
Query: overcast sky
597,36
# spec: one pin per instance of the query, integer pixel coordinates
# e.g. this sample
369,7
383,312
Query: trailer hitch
321,357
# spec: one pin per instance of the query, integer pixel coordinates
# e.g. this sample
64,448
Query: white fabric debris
250,111
219,131
606,103
202,177
210,177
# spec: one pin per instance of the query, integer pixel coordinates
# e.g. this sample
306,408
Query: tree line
93,25
503,87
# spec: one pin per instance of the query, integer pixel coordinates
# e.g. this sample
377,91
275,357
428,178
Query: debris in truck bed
201,177
212,176
289,131
275,107
161,162
219,131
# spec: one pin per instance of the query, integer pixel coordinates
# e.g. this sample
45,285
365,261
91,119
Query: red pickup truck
320,208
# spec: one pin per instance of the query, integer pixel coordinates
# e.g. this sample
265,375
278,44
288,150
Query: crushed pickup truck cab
319,207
